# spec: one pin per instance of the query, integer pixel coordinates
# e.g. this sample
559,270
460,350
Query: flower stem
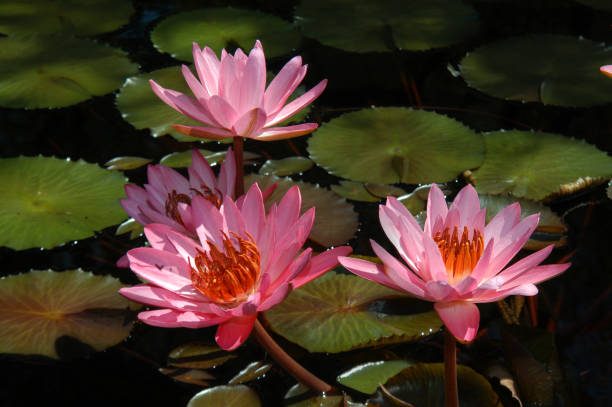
287,362
238,152
450,370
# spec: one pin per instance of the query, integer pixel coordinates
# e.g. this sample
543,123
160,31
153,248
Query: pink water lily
606,70
163,198
242,262
231,98
456,260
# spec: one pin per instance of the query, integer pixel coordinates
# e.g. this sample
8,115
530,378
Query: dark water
578,302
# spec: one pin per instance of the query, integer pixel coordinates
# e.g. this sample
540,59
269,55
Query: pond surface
574,309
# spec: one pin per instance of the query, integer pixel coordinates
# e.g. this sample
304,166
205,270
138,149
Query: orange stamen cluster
213,197
229,276
175,198
459,256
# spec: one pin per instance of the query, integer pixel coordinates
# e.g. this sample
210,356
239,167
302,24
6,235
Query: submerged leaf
367,377
226,396
195,355
535,165
126,163
39,307
301,396
48,201
286,166
56,71
191,376
130,225
253,371
392,144
332,314
226,28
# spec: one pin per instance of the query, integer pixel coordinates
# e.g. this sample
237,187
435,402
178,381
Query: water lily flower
162,199
231,98
242,262
606,70
456,260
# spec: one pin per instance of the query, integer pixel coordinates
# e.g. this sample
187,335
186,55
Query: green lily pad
79,17
251,372
335,222
226,396
192,376
550,230
220,28
538,68
39,307
196,355
535,165
392,144
423,385
126,163
297,396
183,159
366,377
286,166
58,71
48,201
130,225
416,201
144,110
368,26
331,314
355,191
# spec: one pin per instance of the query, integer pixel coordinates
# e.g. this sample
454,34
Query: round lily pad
286,166
538,68
80,17
393,144
39,307
58,70
366,377
48,201
355,191
183,159
331,314
143,109
226,396
335,221
220,28
534,164
369,26
301,396
423,385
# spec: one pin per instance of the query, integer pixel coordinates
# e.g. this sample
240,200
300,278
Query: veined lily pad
220,28
550,230
286,166
58,70
38,307
366,378
226,396
538,68
423,385
335,222
331,314
48,201
368,26
143,109
534,165
80,17
392,144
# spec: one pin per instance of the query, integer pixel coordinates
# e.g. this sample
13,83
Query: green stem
238,152
287,362
451,394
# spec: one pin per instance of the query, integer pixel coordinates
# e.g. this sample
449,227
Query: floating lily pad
144,110
48,201
538,68
331,314
195,355
534,165
550,230
220,28
183,159
57,71
393,144
286,166
226,396
253,371
80,17
39,307
368,26
335,222
355,191
366,377
126,163
423,385
301,396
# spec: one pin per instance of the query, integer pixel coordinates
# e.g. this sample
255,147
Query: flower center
228,276
174,199
459,256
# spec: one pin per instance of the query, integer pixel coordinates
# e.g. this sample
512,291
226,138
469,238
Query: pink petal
526,263
399,273
606,70
288,210
437,209
369,271
159,297
254,212
278,295
207,66
281,133
210,133
253,83
157,236
232,218
234,332
183,104
227,174
161,268
320,264
440,291
196,87
468,206
208,220
502,223
250,124
123,262
433,260
168,318
222,111
200,171
288,269
298,104
536,275
483,296
230,72
280,88
461,318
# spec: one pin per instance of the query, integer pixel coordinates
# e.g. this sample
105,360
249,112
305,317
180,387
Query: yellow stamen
459,256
